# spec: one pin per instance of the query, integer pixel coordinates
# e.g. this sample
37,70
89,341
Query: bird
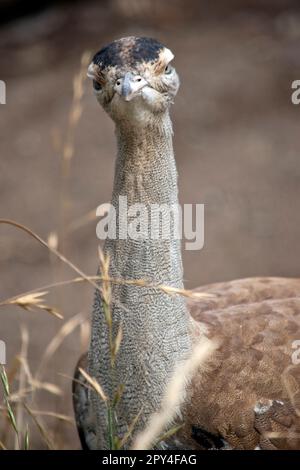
248,394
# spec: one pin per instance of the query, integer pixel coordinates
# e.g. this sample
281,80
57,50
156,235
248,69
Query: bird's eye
168,69
96,85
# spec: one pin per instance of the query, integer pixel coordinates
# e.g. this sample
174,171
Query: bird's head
134,80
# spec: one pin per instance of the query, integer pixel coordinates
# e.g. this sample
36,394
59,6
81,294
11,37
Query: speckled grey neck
155,325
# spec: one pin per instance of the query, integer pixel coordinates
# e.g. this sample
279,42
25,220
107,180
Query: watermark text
295,97
2,353
296,353
152,222
2,92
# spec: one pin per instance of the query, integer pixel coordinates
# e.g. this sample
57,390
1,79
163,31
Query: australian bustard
244,395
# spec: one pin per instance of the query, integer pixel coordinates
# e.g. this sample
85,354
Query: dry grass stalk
137,282
52,240
58,339
68,148
17,423
91,279
26,438
74,114
94,384
130,431
81,221
2,446
53,414
21,429
85,334
22,381
34,383
71,227
47,387
114,345
9,411
54,251
11,374
33,387
42,429
174,395
281,435
31,302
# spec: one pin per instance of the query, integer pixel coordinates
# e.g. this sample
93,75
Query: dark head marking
128,51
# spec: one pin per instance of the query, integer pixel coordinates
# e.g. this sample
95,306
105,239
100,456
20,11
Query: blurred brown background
236,139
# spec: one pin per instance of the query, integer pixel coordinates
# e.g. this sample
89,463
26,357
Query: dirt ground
237,147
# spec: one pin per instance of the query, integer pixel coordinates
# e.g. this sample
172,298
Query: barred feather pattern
155,324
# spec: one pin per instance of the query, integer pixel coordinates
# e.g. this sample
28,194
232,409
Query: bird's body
250,386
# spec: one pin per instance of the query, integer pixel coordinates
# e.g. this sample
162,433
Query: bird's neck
146,175
155,324
145,167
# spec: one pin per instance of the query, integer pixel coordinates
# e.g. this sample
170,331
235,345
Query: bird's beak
131,86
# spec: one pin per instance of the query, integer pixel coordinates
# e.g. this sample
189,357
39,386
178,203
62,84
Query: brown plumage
251,387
